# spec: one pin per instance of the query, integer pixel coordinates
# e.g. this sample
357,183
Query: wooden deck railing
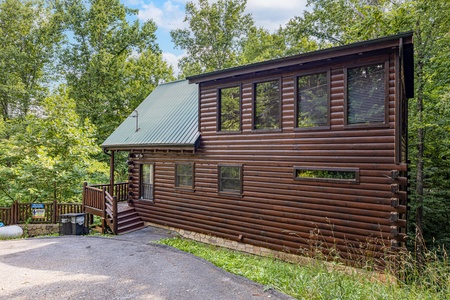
98,201
5,215
120,190
93,200
21,213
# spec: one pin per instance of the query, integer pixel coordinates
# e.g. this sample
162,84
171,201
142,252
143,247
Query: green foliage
259,45
30,32
111,63
320,280
213,40
48,155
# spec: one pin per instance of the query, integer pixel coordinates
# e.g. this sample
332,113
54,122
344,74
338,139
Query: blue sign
37,205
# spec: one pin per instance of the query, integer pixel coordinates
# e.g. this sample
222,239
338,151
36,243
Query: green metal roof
167,117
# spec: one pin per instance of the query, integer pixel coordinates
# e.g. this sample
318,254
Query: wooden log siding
276,211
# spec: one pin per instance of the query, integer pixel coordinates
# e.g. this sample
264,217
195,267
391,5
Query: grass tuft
316,280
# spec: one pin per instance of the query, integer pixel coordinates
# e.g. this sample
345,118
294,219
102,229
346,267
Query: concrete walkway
128,266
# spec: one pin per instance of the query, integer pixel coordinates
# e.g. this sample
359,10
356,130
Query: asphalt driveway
129,266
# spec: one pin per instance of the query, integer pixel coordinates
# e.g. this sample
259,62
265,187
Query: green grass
316,280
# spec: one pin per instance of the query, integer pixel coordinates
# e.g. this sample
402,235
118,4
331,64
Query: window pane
366,95
230,172
184,170
231,185
147,176
267,105
184,175
230,179
312,106
185,181
229,109
325,174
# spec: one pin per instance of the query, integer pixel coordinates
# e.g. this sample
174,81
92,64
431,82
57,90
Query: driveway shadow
123,267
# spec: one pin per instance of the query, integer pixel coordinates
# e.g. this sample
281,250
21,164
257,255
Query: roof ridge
172,82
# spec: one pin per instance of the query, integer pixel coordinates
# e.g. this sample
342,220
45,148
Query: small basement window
230,179
346,175
312,100
366,95
229,118
184,176
267,105
147,181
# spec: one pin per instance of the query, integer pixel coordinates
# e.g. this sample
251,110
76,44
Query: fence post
15,212
84,195
55,211
104,210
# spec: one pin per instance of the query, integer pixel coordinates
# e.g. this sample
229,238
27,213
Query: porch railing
98,201
120,190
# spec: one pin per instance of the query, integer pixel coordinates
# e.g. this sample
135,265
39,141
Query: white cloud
273,14
168,16
173,59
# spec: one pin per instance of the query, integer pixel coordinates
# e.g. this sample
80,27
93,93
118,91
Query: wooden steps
128,220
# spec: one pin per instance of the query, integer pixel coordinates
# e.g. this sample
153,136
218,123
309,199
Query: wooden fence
37,213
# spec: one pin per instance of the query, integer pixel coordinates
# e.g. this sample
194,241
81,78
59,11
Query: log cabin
283,154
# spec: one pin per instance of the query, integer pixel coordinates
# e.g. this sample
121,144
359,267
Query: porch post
111,174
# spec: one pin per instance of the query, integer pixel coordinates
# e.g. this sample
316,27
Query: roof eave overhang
153,147
150,147
324,54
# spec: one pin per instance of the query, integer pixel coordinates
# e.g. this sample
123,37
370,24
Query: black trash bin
73,224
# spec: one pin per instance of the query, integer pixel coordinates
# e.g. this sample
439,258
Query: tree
143,74
213,40
30,32
48,155
260,45
103,46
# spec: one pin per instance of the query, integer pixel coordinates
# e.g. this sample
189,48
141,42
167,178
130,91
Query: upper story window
267,105
366,95
312,100
229,109
184,175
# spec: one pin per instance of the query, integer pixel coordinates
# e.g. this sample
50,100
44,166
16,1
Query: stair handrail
110,213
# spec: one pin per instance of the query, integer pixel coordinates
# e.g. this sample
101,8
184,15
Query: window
345,175
312,100
366,95
230,179
267,106
229,109
147,180
184,176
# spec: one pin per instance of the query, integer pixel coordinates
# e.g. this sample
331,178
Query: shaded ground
129,266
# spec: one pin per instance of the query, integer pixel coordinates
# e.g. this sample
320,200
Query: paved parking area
128,266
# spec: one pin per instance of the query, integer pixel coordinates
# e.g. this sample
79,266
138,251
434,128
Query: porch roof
167,118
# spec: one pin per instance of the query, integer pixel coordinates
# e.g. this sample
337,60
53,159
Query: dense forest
72,71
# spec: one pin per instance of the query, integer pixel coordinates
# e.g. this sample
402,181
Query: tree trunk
419,242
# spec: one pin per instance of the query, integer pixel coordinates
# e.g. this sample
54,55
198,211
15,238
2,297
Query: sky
169,15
